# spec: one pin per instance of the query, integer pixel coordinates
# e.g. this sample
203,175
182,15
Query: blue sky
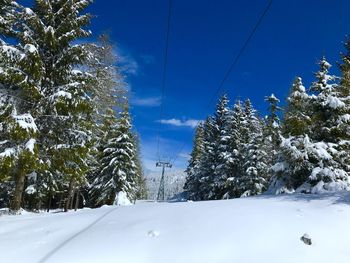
205,36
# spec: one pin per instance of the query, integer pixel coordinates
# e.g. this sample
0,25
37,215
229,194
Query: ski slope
257,229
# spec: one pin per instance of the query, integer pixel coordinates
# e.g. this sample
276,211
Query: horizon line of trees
66,134
238,153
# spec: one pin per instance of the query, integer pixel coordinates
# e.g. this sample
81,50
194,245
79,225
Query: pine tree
222,154
312,144
207,160
329,106
292,166
297,119
236,146
10,14
18,129
63,101
272,129
18,153
343,121
118,170
253,178
141,191
192,183
109,94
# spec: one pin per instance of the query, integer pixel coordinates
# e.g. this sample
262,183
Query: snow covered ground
257,229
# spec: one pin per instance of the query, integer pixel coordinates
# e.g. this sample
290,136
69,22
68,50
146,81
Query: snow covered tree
343,121
222,154
236,146
206,163
18,154
254,177
18,129
330,132
109,89
9,13
141,191
108,93
312,148
63,102
192,183
272,129
118,170
292,166
297,119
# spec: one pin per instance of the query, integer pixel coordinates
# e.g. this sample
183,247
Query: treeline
66,138
238,153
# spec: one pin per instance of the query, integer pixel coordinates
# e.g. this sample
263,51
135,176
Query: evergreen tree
18,129
109,94
140,180
310,156
292,166
234,130
18,154
206,164
272,128
118,170
63,106
253,177
192,183
222,155
329,105
297,119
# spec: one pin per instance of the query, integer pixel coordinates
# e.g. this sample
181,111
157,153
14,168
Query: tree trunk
69,196
49,203
16,202
77,200
72,200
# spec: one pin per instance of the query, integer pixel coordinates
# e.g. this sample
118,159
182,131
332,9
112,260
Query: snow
30,189
264,229
122,199
28,11
62,94
25,121
334,102
8,152
30,48
30,145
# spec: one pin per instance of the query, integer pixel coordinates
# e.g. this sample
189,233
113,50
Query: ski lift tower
161,196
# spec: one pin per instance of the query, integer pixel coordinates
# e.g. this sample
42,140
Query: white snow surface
246,230
122,199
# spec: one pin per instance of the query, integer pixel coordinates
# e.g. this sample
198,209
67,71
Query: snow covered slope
258,229
174,182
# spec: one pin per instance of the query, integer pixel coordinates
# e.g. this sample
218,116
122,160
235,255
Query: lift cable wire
232,66
164,77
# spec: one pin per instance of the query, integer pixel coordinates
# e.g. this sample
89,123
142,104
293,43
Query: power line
164,76
232,65
240,52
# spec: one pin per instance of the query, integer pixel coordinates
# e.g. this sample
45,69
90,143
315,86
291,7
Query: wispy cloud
184,156
145,102
148,59
181,123
126,61
128,64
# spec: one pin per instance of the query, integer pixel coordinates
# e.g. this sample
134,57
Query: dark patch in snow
306,239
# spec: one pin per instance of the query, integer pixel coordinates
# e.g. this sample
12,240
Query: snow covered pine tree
18,130
118,171
312,150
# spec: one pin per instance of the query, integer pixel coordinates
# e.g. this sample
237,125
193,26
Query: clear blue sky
205,35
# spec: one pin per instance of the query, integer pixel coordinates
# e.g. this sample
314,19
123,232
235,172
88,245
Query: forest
66,134
238,153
